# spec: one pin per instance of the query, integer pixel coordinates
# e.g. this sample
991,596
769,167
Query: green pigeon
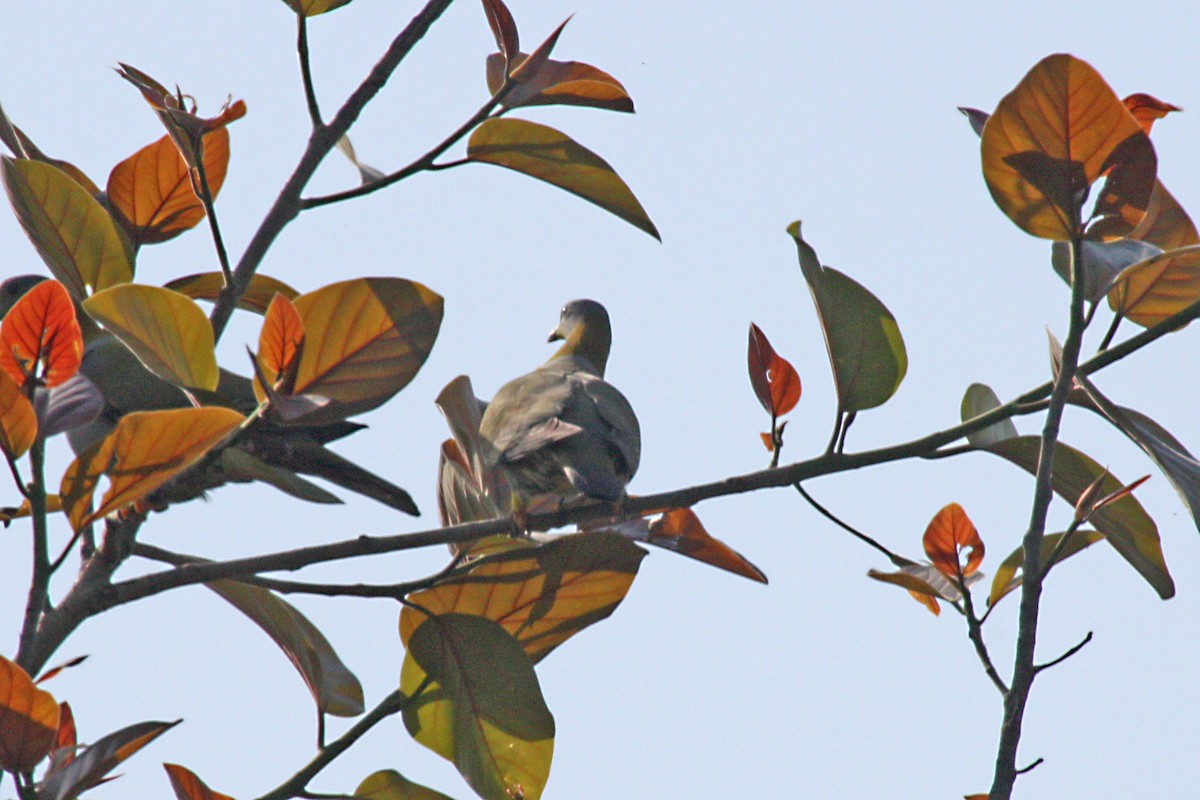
562,430
271,453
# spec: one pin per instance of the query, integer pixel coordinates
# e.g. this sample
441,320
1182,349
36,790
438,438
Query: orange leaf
1054,135
950,531
280,344
40,337
65,740
541,595
1147,108
208,285
774,379
568,83
767,443
18,421
679,529
1152,290
152,189
188,786
146,449
28,719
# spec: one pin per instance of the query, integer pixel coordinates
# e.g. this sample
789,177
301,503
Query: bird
269,452
562,430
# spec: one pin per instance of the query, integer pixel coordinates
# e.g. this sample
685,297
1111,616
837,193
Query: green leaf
480,705
166,330
334,687
76,237
387,784
1126,525
1006,578
980,399
866,350
554,157
311,8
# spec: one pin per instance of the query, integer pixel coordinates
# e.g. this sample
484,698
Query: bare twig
310,92
1055,662
899,561
1032,766
39,585
975,633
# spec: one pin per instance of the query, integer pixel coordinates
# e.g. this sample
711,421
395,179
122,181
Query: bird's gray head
585,331
14,288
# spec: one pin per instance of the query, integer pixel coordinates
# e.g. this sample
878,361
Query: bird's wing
614,411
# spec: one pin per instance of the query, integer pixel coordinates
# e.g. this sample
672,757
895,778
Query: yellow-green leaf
554,157
28,719
334,687
256,298
76,237
1126,525
311,8
1006,578
388,784
541,595
866,350
365,340
1051,138
480,705
166,330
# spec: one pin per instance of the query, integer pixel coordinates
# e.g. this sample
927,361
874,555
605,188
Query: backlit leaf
146,450
280,343
568,83
980,399
681,531
76,237
152,189
1147,108
1152,290
23,147
334,687
556,158
311,8
773,378
188,786
541,595
40,337
81,478
257,297
866,351
166,330
1126,525
1052,137
1006,578
388,784
503,27
28,719
1166,225
365,340
66,741
89,767
483,709
925,583
1102,262
950,532
18,421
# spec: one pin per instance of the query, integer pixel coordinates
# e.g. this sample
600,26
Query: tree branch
1082,644
310,92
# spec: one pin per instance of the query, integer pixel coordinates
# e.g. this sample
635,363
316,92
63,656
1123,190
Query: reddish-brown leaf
679,529
188,786
503,27
152,189
28,719
280,344
528,69
65,741
949,533
569,83
1147,108
40,337
774,380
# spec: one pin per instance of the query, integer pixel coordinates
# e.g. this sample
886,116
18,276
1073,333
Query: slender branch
829,515
1082,644
975,634
210,212
294,786
39,584
1031,587
16,475
322,140
1032,766
1111,332
310,92
422,164
66,551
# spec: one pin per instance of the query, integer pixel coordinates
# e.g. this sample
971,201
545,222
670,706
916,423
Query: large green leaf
556,158
1126,525
865,348
76,237
473,698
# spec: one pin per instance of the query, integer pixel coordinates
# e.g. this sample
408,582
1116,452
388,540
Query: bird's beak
555,335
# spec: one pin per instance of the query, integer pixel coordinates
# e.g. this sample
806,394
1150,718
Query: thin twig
1082,644
39,584
975,634
899,561
1110,333
310,92
1031,767
210,211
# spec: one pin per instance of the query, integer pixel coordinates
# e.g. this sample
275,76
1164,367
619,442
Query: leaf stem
310,92
210,211
899,561
975,634
1111,332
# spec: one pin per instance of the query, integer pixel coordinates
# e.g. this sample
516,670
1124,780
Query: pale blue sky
824,684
